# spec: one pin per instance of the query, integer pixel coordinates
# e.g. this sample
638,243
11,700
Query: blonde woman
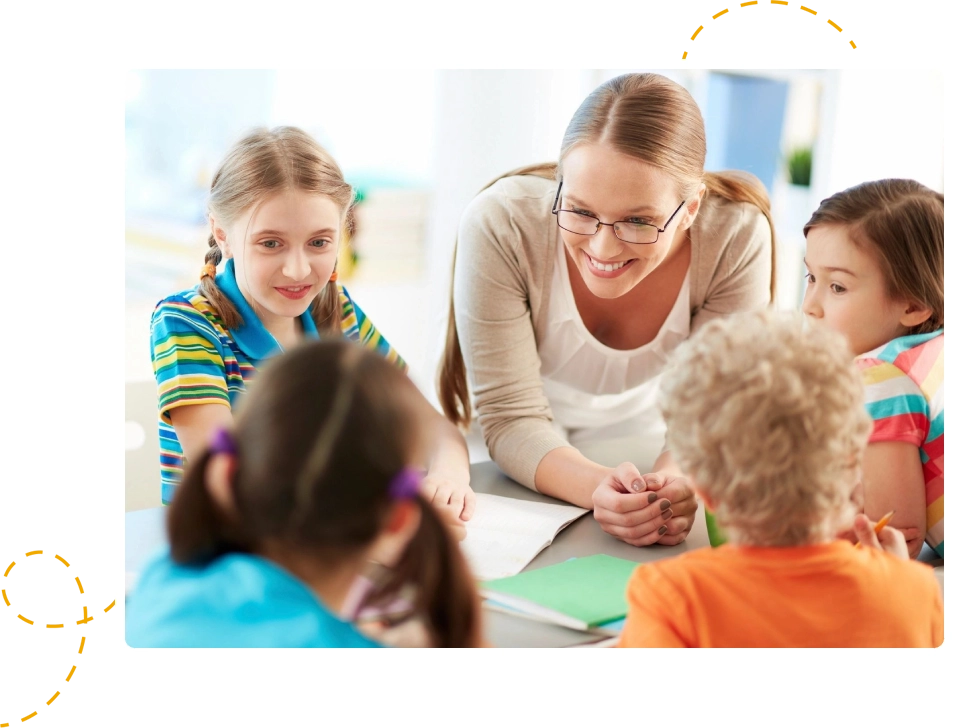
573,282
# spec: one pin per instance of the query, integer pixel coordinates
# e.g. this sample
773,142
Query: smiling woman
573,284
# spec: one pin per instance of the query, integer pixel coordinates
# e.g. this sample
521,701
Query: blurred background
419,145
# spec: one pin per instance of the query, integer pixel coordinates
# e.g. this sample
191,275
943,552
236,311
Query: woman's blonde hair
262,163
902,223
765,413
643,115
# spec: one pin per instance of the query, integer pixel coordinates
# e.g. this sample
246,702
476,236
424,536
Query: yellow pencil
879,526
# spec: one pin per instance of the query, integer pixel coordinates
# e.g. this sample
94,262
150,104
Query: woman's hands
641,510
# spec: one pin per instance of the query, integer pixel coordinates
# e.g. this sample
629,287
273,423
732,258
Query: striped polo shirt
904,394
197,360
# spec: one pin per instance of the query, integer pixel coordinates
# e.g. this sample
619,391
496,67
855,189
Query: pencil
879,526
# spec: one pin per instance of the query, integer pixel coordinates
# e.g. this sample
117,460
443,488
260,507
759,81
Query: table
584,537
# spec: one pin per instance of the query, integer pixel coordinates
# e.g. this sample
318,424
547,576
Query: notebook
587,594
505,534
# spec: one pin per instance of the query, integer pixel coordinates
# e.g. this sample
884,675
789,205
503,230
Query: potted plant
798,202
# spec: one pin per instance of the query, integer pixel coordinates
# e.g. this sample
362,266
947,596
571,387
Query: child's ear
220,238
915,315
405,515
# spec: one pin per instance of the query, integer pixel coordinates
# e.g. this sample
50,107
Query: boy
766,416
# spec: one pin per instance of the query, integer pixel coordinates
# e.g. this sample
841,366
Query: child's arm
448,470
194,425
894,481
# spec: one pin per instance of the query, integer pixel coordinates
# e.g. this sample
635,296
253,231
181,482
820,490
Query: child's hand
455,526
445,491
890,539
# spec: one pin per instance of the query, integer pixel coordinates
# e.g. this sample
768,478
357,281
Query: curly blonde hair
766,415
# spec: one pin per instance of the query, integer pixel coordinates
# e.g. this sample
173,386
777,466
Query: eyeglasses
583,223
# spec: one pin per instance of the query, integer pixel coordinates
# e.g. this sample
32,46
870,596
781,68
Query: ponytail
452,390
231,318
198,530
326,310
737,186
444,594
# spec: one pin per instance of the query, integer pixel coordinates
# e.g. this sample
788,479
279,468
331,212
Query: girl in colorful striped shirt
277,208
875,259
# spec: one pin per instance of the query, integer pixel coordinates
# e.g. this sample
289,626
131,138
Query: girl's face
285,251
846,290
605,184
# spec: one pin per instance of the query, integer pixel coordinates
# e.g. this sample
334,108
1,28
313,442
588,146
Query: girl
275,522
277,208
575,281
875,259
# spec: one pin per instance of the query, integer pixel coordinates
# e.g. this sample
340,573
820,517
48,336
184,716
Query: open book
506,534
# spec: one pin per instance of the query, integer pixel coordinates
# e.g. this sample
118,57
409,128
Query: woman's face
611,186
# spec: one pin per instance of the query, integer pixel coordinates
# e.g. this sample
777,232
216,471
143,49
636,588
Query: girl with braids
575,281
277,208
276,522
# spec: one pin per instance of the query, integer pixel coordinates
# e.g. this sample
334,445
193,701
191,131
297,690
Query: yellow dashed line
779,2
86,618
53,698
28,621
12,564
111,605
33,553
832,24
721,12
852,44
5,597
82,642
54,626
4,725
28,717
67,563
752,2
71,673
79,585
692,38
809,10
684,54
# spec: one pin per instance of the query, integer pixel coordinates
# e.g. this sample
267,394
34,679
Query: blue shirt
236,600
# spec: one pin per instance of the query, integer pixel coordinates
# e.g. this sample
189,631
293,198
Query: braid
231,318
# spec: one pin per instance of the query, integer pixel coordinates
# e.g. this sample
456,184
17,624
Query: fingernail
666,515
664,504
652,479
652,497
639,485
662,530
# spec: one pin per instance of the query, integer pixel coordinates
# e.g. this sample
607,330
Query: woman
574,282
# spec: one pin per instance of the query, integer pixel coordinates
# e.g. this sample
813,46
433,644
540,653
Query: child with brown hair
875,259
280,526
766,417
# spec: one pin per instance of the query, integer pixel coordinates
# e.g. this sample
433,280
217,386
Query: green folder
580,593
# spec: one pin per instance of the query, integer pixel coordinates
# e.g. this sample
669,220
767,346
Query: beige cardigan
505,248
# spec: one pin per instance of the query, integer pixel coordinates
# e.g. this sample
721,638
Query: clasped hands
645,509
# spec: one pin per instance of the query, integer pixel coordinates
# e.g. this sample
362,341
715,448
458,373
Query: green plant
800,166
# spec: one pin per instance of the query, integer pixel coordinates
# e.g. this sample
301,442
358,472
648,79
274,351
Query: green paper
591,589
715,535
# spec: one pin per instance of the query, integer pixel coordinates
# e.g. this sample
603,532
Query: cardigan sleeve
498,343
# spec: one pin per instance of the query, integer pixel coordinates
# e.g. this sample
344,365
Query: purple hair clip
222,443
405,485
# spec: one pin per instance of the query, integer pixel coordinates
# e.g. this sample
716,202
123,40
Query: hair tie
405,485
222,443
334,275
208,271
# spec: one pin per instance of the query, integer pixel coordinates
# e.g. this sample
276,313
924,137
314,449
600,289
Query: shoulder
725,226
519,204
916,581
187,309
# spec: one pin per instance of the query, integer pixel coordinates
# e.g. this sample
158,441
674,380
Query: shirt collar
252,337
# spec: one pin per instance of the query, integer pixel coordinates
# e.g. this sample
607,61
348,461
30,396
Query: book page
506,534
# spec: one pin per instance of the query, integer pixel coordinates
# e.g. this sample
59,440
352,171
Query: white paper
506,534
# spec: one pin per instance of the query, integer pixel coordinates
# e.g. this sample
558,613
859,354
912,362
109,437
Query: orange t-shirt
825,595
